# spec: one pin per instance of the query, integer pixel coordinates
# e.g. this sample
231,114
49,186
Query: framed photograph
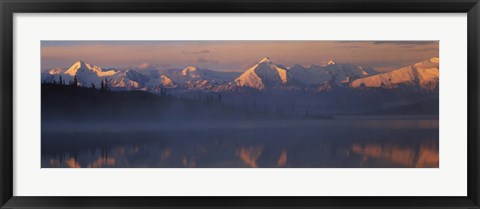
239,104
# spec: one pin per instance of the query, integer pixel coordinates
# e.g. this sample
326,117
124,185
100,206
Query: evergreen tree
60,79
106,84
102,85
75,81
163,91
93,85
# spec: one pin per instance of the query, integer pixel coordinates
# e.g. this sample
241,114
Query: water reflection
324,144
249,155
424,156
282,161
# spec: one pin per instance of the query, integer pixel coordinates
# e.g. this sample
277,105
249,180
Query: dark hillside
69,103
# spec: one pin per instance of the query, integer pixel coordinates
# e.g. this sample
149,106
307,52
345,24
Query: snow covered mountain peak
56,71
194,74
434,60
80,62
266,60
267,75
331,62
428,63
81,67
78,65
424,74
189,73
263,74
190,69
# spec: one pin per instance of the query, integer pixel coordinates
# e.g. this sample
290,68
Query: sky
234,55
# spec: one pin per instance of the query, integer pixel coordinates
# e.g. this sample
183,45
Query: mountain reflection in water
291,144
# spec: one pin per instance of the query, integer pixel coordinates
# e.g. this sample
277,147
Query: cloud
202,52
149,66
405,42
203,60
205,51
152,70
348,47
391,42
221,55
144,65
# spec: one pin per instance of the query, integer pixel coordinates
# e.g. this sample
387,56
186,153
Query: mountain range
265,76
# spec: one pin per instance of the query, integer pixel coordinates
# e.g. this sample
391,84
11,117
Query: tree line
104,86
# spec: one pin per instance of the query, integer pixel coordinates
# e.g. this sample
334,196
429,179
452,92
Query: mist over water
347,142
334,115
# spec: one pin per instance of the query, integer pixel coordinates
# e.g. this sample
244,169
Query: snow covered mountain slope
82,67
128,79
424,74
313,75
266,74
344,73
87,74
192,73
163,80
262,75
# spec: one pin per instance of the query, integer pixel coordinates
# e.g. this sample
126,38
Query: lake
345,142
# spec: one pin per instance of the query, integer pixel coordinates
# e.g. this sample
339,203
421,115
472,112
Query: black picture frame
9,7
